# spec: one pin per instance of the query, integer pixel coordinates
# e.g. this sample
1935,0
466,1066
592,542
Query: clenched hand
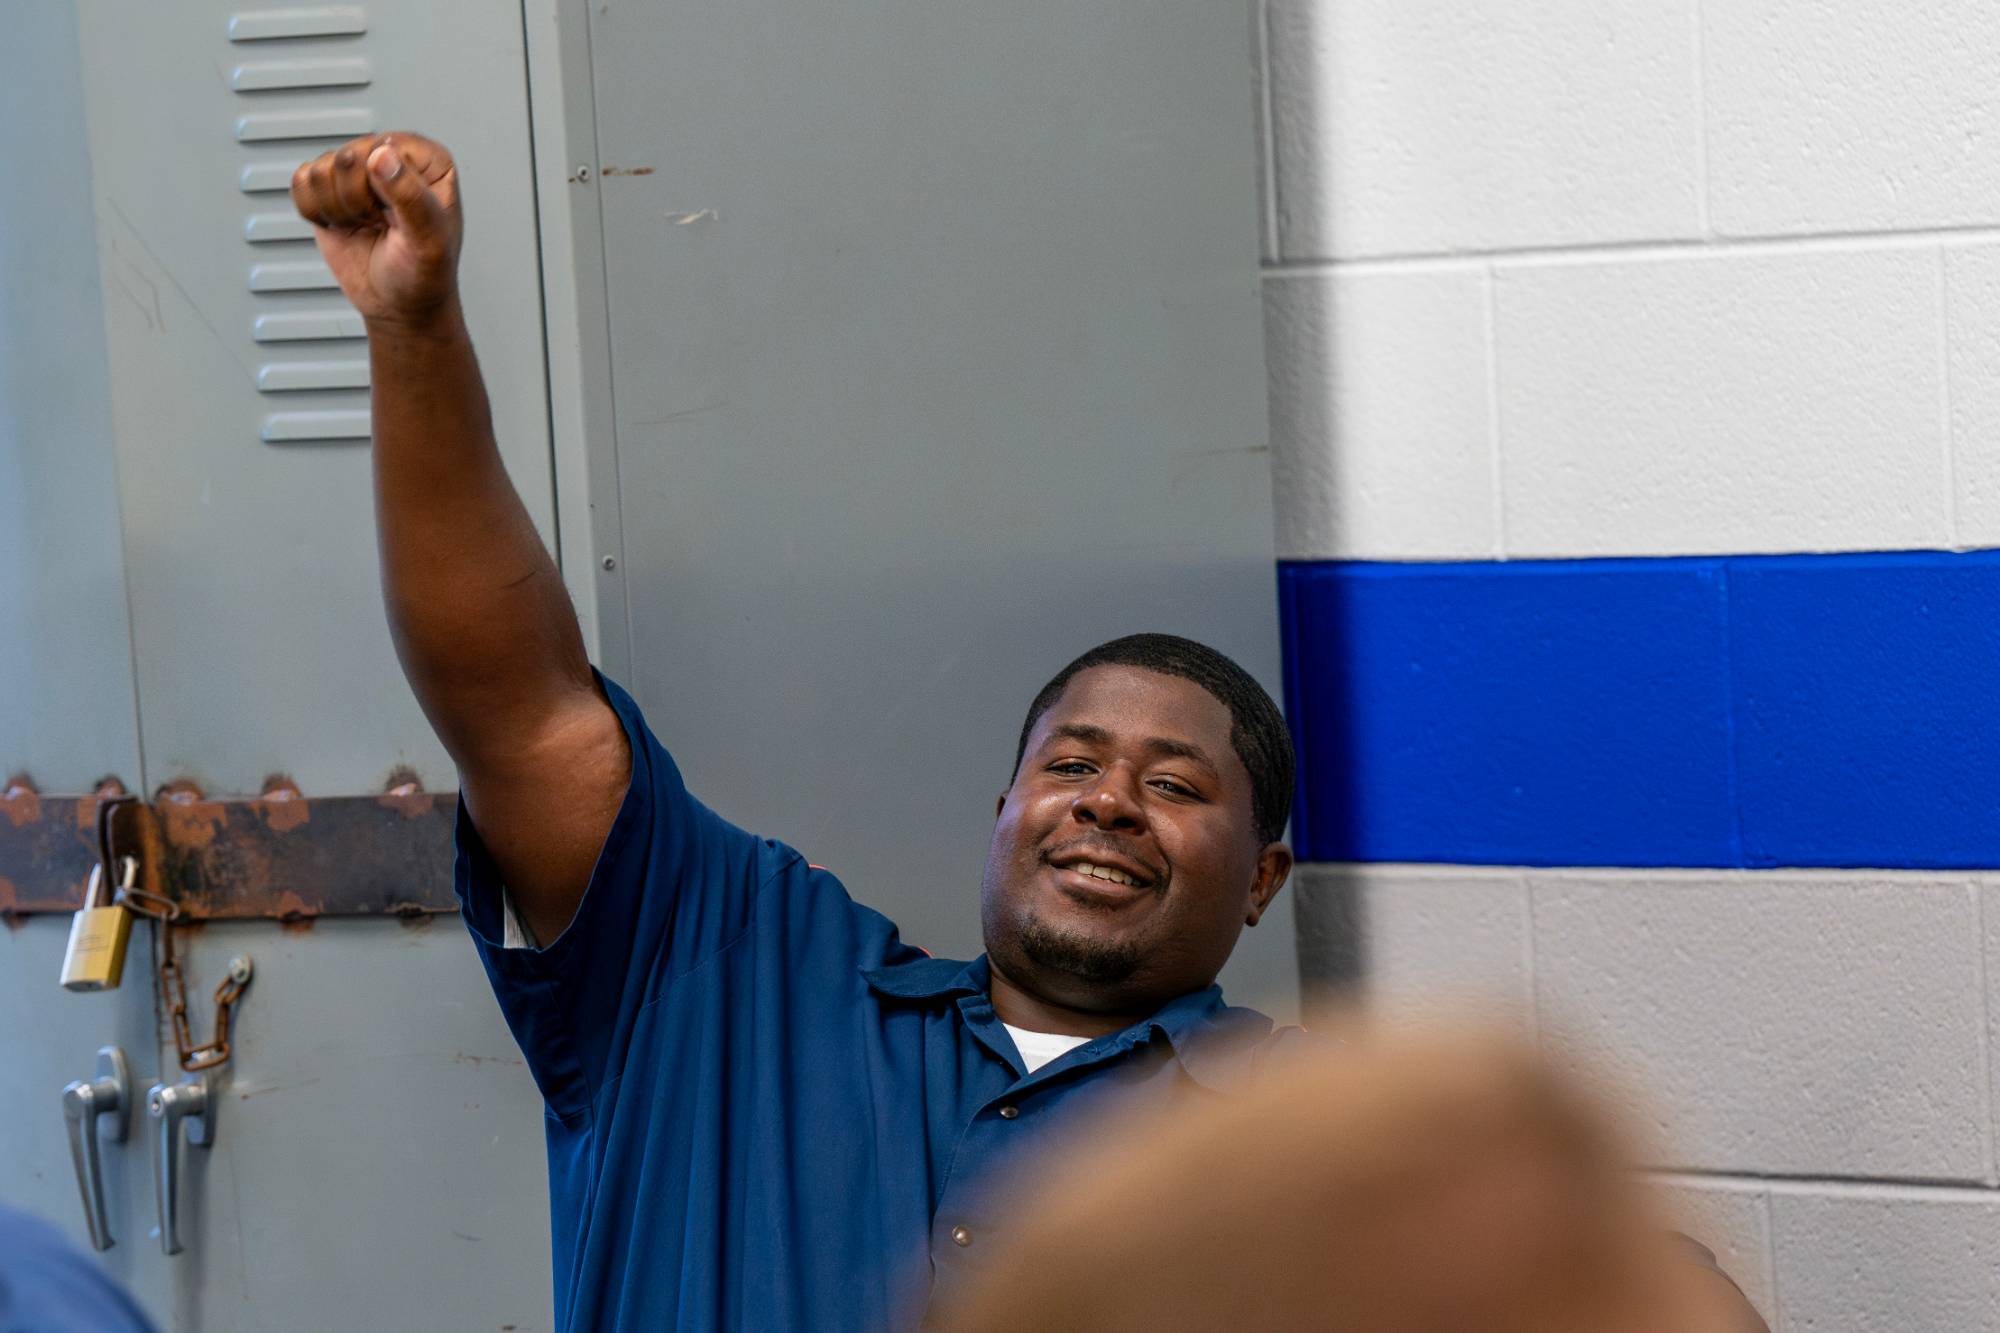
385,212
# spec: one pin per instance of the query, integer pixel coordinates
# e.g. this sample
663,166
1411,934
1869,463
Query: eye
1176,787
1070,768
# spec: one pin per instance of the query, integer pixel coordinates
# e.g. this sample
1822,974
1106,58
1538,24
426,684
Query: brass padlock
95,959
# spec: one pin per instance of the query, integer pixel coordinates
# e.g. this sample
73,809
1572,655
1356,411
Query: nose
1111,802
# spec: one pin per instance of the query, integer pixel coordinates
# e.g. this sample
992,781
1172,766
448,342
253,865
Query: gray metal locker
863,364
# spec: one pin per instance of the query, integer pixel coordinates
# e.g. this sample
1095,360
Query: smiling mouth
1103,874
1110,873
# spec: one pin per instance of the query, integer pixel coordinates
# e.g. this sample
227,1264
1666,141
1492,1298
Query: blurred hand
385,212
1441,1185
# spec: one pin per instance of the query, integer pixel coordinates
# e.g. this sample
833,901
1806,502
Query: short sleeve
673,884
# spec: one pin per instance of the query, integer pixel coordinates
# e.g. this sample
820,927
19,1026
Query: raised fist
385,214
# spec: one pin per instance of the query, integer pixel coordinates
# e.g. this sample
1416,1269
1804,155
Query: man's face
1125,860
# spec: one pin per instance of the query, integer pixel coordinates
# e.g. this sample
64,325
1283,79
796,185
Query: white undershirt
513,931
1038,1048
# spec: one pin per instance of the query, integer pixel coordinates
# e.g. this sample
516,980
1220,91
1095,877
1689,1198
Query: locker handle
85,1104
190,1100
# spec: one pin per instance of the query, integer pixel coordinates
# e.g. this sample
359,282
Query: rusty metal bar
281,856
47,847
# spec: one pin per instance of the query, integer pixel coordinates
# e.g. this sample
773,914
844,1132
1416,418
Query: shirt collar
1216,1043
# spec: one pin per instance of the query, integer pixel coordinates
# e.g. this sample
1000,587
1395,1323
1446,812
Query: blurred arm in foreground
1435,1185
48,1285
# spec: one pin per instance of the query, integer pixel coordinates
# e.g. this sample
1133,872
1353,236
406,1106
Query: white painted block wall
1669,277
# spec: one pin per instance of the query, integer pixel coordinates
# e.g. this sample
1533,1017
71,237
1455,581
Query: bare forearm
482,623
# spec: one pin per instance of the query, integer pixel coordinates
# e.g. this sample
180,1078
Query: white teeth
1104,872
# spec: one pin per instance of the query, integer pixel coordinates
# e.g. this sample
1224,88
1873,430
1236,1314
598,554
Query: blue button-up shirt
764,1110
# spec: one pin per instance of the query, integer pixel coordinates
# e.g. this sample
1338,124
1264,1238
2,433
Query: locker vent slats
288,376
294,87
335,123
315,21
290,427
287,226
264,75
263,177
343,323
312,276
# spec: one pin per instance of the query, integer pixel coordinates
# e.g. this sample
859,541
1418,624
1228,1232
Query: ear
1274,866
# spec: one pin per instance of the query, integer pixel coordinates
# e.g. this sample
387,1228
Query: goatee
1099,961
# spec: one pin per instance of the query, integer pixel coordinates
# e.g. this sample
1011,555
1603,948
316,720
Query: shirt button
1009,1112
961,1236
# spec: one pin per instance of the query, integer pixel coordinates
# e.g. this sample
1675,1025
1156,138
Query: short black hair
1256,727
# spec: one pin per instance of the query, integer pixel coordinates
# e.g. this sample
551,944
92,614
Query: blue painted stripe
1830,710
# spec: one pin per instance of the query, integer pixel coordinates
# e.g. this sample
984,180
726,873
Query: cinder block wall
1610,343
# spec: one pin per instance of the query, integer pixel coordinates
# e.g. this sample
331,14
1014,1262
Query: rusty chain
162,913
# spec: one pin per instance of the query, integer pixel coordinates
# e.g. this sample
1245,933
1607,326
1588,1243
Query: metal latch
85,1104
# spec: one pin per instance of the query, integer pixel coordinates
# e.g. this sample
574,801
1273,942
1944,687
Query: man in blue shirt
765,1111
768,1112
